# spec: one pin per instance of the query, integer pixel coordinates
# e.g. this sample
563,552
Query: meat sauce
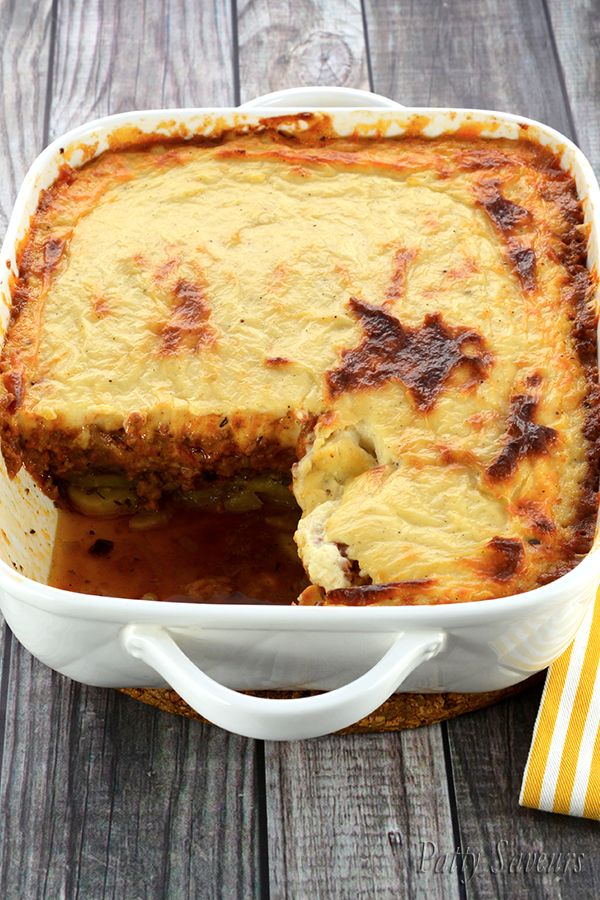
196,556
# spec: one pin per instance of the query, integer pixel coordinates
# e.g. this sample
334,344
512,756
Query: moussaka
406,323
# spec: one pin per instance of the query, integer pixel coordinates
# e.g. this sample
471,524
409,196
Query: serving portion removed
405,324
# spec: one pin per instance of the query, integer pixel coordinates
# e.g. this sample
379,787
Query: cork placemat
400,711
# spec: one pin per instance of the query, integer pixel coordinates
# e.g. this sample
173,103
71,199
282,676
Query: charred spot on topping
421,358
277,361
522,260
535,515
525,437
402,259
562,192
504,557
101,547
505,214
572,253
14,384
583,532
366,594
557,571
578,295
188,327
53,250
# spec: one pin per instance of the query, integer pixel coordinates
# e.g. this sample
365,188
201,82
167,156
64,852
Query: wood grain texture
347,816
176,54
489,750
477,54
26,36
287,43
104,798
26,30
576,28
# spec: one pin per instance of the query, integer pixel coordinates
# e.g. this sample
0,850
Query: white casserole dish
209,652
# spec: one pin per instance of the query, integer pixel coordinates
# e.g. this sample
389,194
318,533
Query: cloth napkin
562,774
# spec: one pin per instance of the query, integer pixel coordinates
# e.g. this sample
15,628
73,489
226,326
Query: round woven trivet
400,711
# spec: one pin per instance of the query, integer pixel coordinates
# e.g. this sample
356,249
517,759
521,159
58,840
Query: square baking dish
209,652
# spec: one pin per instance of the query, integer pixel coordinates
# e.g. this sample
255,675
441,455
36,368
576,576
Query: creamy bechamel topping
412,317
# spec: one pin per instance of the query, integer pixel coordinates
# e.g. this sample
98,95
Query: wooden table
102,797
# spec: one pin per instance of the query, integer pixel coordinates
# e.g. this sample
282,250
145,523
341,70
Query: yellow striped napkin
562,774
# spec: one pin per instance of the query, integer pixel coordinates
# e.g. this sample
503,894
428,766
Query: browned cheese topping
407,322
421,358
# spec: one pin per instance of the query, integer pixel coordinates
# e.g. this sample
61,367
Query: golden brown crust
580,285
531,206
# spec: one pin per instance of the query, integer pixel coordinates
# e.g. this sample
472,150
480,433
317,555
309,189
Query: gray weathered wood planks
291,43
576,30
487,55
26,38
348,816
102,797
178,54
26,30
489,751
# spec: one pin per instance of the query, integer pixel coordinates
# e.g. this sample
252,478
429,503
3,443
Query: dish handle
321,97
280,720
